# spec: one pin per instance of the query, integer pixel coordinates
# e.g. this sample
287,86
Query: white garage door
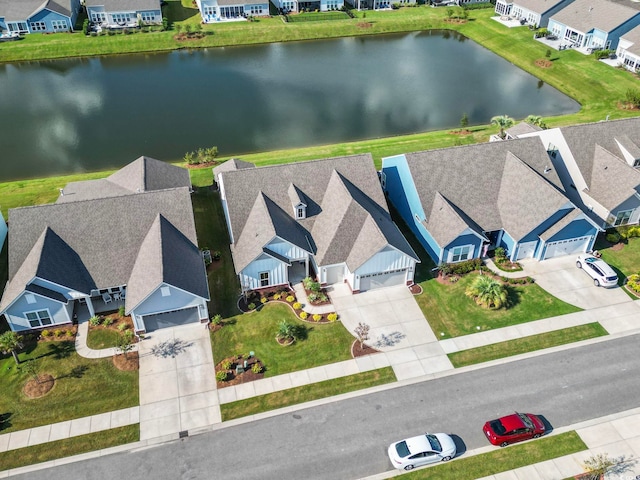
567,247
379,280
335,274
526,250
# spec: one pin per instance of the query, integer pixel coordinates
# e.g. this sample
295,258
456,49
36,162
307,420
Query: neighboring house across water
34,16
533,12
128,239
227,10
462,201
593,24
326,217
124,13
3,231
599,164
628,51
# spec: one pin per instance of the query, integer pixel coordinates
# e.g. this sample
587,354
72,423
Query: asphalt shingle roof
612,181
538,6
125,5
231,165
486,184
585,15
339,193
633,36
15,10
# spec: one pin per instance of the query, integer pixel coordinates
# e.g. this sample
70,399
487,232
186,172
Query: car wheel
446,459
408,467
596,282
504,444
578,264
537,435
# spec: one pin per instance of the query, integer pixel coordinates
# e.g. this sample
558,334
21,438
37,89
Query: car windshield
435,443
497,427
526,420
590,259
612,279
402,449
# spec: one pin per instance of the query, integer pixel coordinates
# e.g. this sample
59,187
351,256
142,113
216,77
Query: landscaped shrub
602,53
252,306
222,376
290,298
304,315
276,296
70,333
46,333
85,26
57,333
487,292
461,268
613,237
95,321
332,317
225,364
633,282
121,310
263,300
216,319
632,97
317,317
500,253
297,306
107,321
122,326
256,368
633,232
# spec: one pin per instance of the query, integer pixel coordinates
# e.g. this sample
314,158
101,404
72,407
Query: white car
421,450
602,274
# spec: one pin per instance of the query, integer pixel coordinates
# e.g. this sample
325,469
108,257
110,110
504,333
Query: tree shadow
76,372
5,420
300,332
514,297
388,340
60,350
170,348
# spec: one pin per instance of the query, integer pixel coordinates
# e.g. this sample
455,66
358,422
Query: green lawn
74,394
99,338
526,344
503,459
256,331
625,261
69,446
314,391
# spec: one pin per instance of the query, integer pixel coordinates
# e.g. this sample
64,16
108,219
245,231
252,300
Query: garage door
171,319
526,250
379,280
567,247
335,274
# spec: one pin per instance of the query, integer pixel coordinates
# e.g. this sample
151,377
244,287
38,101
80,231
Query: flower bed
227,373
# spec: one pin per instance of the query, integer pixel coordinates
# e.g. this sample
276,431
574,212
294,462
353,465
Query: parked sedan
421,450
513,428
602,274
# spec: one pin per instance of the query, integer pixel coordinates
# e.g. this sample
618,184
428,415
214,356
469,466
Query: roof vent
546,169
590,8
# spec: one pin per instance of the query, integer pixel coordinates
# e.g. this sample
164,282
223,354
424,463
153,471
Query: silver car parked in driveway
602,274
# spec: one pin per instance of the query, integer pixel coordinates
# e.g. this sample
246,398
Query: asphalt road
348,439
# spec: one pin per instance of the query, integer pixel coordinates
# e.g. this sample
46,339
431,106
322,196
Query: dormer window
301,212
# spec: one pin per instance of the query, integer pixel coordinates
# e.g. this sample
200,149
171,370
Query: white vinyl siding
287,249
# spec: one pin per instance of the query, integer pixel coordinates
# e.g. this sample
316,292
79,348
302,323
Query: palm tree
10,342
536,120
487,292
502,121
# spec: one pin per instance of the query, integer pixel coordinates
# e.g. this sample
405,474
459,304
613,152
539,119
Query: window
59,25
121,18
99,17
459,254
623,217
256,10
636,162
30,298
264,279
38,26
301,211
39,318
165,291
20,27
148,16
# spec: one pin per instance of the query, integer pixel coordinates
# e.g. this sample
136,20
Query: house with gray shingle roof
213,11
462,201
598,164
593,24
628,51
124,13
135,246
324,217
532,12
34,16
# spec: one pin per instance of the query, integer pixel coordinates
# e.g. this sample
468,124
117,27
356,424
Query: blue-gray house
126,240
462,201
29,16
593,24
124,13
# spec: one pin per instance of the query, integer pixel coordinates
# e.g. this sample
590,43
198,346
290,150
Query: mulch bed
184,37
617,247
127,363
247,376
459,21
358,351
544,63
364,25
58,333
117,320
214,265
204,164
37,389
460,132
415,289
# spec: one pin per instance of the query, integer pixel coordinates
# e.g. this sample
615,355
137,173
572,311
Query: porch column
92,312
306,266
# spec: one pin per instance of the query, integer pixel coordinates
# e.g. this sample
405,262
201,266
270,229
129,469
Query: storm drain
184,434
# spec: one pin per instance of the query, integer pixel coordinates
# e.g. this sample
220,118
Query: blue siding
507,243
576,229
616,33
15,315
402,193
3,230
47,16
156,303
468,239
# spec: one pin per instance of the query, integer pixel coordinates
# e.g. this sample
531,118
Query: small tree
125,343
536,120
189,158
31,367
177,27
502,121
597,466
187,29
548,53
85,26
197,28
11,342
487,292
165,23
464,121
362,332
449,13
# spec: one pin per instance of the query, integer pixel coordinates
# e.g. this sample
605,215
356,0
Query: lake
79,115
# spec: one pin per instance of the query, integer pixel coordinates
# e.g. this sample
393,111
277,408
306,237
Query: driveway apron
177,382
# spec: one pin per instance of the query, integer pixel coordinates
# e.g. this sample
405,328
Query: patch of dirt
544,63
247,376
127,363
460,132
358,351
415,289
37,389
627,106
215,327
185,37
214,265
364,25
458,21
195,166
617,247
285,342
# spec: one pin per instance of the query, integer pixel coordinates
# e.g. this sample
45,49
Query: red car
513,428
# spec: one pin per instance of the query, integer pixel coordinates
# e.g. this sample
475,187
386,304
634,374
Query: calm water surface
77,115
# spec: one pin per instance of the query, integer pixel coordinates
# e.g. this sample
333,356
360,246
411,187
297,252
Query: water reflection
90,114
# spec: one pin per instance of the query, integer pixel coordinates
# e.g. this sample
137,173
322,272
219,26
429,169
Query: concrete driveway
562,279
395,318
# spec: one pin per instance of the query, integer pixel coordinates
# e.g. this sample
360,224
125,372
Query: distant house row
49,16
130,239
583,24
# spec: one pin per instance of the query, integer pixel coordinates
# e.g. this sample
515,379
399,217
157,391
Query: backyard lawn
626,260
74,395
256,331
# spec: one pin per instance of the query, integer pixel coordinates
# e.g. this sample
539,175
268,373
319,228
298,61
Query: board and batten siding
60,312
287,249
250,276
387,260
176,300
